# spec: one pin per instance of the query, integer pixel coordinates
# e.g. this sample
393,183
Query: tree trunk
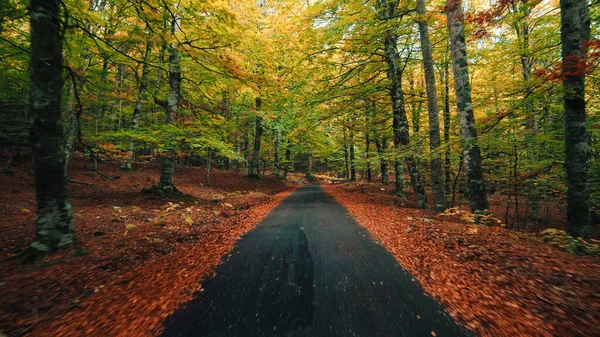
208,162
276,161
475,185
54,226
70,124
447,155
255,164
381,146
309,167
167,170
347,161
352,158
437,183
288,159
400,124
137,109
369,175
575,33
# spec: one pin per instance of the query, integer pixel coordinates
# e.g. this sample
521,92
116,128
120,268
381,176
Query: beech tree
575,35
437,182
388,13
54,227
167,168
476,192
258,131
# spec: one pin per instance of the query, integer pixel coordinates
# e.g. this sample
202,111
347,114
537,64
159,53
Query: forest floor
136,259
495,281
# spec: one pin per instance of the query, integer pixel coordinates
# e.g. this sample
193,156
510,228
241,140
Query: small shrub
576,246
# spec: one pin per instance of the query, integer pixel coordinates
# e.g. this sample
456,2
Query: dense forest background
357,90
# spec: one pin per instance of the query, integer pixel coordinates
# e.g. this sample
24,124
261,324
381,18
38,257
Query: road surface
308,269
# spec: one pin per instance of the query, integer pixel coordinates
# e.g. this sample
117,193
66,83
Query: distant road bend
308,269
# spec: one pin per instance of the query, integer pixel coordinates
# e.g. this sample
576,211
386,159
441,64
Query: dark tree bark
352,158
347,162
208,167
309,164
369,175
288,161
167,169
475,185
381,146
255,163
54,226
437,183
246,146
276,148
447,155
400,125
575,33
388,11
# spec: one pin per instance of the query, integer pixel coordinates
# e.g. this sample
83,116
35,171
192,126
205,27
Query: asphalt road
308,269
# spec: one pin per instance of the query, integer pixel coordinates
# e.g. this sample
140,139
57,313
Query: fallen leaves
494,281
136,260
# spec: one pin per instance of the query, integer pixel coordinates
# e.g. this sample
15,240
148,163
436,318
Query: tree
437,182
167,168
54,226
575,34
258,131
476,192
388,11
137,109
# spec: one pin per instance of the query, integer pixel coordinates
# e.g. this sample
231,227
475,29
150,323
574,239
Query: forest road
308,269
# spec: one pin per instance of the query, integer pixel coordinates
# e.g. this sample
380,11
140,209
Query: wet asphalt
308,269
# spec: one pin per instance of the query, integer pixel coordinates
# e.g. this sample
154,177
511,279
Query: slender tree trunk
381,146
255,164
277,145
70,124
137,109
447,154
288,161
225,103
120,77
167,169
246,147
400,124
54,226
575,33
522,29
347,161
309,176
369,175
475,185
159,71
208,167
437,183
104,78
352,158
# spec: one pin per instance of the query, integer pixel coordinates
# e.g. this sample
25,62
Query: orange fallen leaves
139,259
494,281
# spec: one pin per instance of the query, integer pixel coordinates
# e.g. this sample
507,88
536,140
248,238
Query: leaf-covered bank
497,282
135,260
